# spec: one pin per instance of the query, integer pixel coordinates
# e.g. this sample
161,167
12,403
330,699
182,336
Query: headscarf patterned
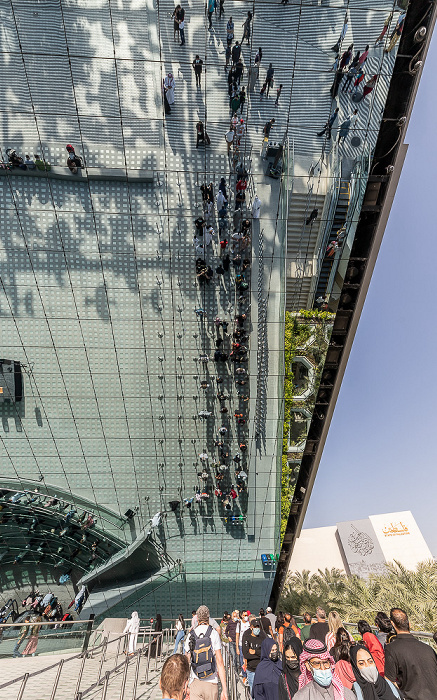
318,649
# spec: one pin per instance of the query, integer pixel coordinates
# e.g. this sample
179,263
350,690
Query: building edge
385,172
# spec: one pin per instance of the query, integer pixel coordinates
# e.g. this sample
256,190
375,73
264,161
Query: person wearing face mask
369,684
251,647
318,680
268,672
244,625
231,631
289,680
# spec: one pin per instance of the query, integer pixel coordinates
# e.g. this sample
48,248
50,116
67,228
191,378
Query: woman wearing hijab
369,685
318,679
132,628
268,672
156,644
289,680
373,645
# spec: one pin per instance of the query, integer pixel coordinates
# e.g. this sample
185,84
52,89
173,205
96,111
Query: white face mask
370,674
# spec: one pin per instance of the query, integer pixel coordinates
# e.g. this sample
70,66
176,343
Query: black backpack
289,633
202,655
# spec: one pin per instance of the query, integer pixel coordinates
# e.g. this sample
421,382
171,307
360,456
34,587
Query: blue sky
380,455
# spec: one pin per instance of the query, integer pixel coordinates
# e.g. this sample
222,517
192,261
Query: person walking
369,684
211,6
346,58
182,30
256,207
358,81
156,643
230,31
269,78
177,16
132,628
232,628
169,88
174,677
246,28
350,75
251,646
229,139
24,630
380,39
222,8
373,644
368,87
268,127
318,678
411,664
346,125
289,680
396,33
236,53
329,124
319,629
239,70
363,58
203,649
278,95
197,67
31,645
180,632
242,98
268,672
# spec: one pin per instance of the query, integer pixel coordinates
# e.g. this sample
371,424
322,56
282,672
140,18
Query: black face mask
274,656
292,664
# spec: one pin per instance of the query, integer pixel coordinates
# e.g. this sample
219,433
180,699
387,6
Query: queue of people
319,660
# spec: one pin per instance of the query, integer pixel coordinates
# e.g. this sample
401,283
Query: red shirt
223,244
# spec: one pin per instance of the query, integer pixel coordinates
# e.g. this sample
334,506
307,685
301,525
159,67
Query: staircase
301,243
337,222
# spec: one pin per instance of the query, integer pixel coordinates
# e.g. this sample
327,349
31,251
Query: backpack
289,633
202,655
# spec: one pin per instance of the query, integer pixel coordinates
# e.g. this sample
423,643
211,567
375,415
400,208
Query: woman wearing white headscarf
132,628
169,87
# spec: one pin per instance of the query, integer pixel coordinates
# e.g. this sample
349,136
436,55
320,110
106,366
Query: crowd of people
318,660
227,239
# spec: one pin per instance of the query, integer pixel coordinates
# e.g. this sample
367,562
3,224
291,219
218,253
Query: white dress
169,84
256,208
132,627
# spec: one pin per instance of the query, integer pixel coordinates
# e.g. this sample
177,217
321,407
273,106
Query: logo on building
395,529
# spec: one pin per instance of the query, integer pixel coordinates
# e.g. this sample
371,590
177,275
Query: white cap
268,610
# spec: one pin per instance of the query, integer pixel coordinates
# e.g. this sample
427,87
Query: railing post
137,671
105,687
23,685
123,682
89,629
148,660
105,641
79,677
58,675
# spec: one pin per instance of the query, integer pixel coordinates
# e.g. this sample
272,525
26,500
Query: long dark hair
341,649
158,623
181,620
383,622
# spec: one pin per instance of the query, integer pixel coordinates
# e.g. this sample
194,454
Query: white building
362,546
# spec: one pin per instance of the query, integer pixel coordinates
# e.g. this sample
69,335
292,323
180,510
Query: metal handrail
102,645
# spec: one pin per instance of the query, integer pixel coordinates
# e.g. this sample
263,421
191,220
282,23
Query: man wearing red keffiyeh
318,680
